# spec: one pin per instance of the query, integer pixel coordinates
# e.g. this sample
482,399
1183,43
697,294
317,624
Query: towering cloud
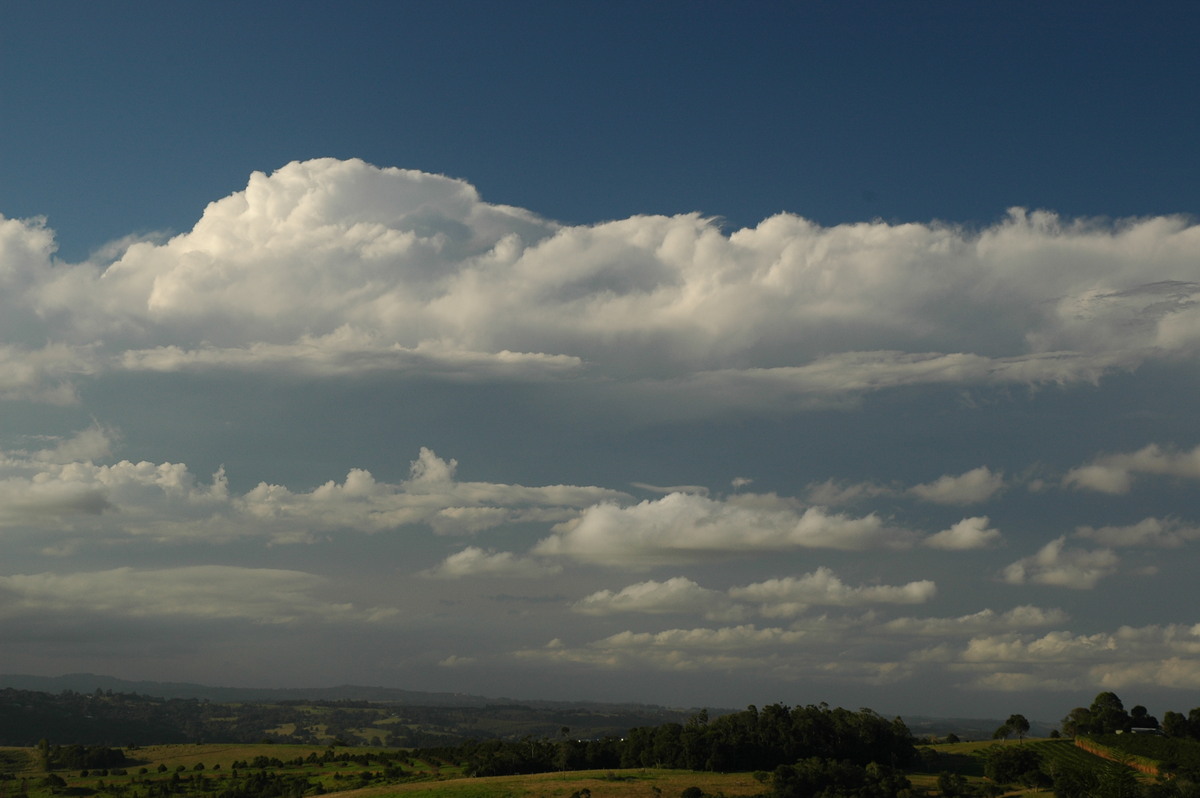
331,267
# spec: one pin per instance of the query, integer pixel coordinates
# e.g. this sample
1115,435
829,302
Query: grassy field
967,759
205,768
200,770
647,783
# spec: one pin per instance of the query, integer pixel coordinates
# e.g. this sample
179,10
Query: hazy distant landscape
246,746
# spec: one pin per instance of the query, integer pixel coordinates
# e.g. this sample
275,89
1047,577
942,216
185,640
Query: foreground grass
432,779
642,783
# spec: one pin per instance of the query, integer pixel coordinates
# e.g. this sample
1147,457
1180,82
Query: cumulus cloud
1115,473
1057,564
331,268
676,595
742,647
792,595
683,527
166,502
1150,532
1166,656
975,486
987,620
969,533
474,561
202,592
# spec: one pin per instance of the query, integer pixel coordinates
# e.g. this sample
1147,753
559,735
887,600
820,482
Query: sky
698,354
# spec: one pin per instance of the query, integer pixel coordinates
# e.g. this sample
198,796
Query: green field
290,771
207,770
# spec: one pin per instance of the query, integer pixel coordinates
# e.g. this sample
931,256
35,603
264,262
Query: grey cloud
208,592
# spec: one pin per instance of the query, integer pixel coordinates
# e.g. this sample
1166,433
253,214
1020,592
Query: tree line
750,740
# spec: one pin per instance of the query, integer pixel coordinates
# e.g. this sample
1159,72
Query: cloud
474,561
742,647
975,486
969,533
329,268
351,352
1151,532
831,493
1115,473
165,501
790,596
684,527
94,443
1166,656
203,593
987,620
1056,564
676,595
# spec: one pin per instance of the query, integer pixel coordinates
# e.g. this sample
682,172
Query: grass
602,784
430,780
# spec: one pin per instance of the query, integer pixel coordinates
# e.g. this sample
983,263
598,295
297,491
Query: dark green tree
1018,725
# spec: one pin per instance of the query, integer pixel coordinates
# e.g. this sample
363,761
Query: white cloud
1156,532
474,561
987,620
1056,564
1165,656
1115,473
94,443
165,501
683,527
975,486
728,648
790,596
203,592
334,268
969,533
350,352
676,595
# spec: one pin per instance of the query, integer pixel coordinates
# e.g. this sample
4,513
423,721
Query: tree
1174,724
1078,721
1108,714
1018,725
1140,718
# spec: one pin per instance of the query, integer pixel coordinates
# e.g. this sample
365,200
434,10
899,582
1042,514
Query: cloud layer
338,268
830,423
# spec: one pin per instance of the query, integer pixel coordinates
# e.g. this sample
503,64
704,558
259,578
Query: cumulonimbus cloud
332,268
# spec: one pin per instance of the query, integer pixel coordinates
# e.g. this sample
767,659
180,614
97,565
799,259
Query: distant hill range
578,714
90,682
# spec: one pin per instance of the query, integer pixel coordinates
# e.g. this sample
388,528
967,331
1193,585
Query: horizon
688,354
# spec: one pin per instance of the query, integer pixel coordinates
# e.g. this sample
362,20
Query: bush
1010,763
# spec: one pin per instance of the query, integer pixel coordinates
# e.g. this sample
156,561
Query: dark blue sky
132,116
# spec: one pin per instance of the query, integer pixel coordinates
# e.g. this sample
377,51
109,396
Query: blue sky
688,353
